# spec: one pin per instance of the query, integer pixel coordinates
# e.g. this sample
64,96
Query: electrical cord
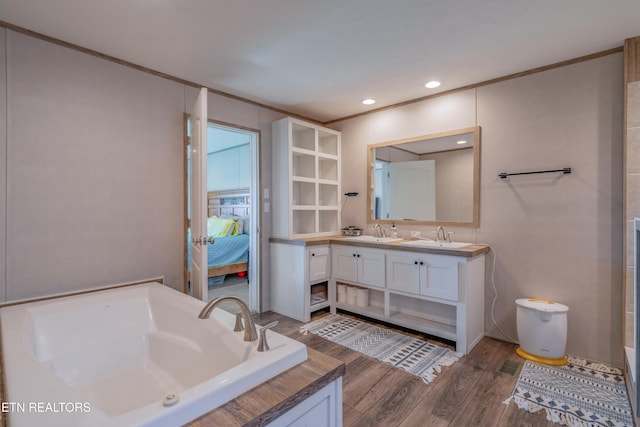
495,295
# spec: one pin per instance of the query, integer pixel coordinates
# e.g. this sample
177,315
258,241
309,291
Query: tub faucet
377,231
250,333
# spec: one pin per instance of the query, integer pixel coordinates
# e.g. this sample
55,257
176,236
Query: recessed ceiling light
462,141
368,101
432,84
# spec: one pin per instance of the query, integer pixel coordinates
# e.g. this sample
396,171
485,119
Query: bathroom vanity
439,291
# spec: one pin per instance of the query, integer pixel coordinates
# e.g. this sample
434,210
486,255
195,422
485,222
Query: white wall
229,169
555,237
95,170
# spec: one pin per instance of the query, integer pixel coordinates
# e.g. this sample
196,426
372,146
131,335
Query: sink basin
432,244
371,239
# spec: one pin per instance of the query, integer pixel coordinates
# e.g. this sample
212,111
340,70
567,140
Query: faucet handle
262,343
238,326
449,233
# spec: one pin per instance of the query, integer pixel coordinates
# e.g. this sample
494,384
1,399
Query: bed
229,254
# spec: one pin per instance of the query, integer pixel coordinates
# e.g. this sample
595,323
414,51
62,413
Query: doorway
231,194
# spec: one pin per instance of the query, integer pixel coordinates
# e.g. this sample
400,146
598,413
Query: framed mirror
426,180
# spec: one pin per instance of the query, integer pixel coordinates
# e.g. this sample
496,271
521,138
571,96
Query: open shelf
327,143
304,193
303,165
370,311
303,137
327,195
328,169
304,221
328,220
427,316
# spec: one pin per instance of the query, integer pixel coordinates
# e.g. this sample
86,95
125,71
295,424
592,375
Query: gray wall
94,158
3,161
555,237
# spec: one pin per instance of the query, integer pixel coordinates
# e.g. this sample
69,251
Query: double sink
416,243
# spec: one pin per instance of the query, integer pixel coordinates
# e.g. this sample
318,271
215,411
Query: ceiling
319,59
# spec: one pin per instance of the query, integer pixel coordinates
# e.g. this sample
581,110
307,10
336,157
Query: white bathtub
111,358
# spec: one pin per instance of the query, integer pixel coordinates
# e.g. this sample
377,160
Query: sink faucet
250,333
377,231
441,235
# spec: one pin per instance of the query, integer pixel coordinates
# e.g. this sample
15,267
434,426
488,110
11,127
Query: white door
412,190
198,268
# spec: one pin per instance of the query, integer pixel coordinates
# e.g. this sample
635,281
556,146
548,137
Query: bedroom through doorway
231,194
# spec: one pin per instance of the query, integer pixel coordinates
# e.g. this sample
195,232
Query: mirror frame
476,178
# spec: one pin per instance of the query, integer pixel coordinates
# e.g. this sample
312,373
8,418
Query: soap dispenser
393,230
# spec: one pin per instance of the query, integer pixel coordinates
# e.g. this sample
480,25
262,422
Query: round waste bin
542,330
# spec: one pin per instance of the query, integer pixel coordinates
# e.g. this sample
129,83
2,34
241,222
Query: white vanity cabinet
439,294
299,278
428,275
305,179
359,265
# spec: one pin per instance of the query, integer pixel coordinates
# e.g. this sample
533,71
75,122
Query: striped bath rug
410,354
581,393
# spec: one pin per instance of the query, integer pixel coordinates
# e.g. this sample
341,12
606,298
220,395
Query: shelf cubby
303,165
327,143
303,137
328,195
328,220
424,315
328,169
304,221
304,193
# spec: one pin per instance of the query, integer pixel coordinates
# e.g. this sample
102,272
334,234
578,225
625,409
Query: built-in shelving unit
306,179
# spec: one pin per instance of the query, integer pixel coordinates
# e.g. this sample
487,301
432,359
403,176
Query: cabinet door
344,263
440,277
319,264
371,268
403,273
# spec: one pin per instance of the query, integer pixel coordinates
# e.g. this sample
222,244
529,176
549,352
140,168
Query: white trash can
542,330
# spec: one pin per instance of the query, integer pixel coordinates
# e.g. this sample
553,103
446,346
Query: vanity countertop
273,398
474,249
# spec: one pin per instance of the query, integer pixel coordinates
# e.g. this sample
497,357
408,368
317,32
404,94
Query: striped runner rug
412,355
581,393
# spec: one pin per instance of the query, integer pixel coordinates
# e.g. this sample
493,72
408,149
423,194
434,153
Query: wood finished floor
468,393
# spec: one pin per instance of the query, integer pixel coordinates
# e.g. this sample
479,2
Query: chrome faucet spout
441,235
377,231
250,333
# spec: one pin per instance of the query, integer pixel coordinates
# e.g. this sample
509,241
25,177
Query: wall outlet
416,234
